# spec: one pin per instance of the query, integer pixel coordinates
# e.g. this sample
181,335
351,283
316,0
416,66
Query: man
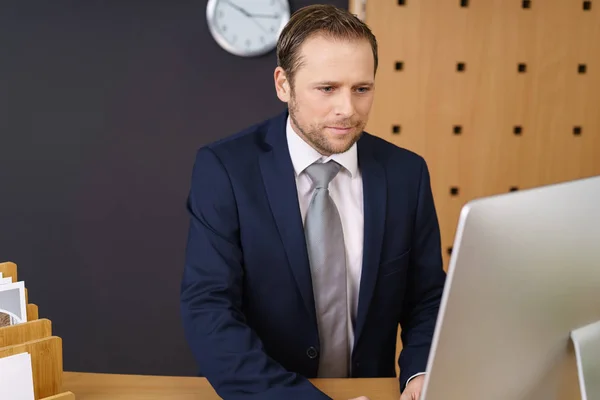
311,240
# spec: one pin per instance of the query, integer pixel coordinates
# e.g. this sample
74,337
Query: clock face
247,27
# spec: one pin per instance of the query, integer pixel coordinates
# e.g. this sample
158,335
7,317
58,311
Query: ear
282,85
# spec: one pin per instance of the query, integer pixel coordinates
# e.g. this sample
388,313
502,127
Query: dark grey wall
102,107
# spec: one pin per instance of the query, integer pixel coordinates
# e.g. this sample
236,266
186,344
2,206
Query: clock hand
240,9
274,16
246,13
259,25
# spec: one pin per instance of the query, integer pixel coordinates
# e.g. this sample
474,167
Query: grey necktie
327,257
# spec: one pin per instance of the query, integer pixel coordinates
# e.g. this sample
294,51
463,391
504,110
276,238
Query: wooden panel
62,396
47,364
428,96
515,130
32,312
9,270
26,332
358,8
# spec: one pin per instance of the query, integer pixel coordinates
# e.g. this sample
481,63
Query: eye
326,89
363,89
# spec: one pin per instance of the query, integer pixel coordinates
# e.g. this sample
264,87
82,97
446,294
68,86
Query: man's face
332,93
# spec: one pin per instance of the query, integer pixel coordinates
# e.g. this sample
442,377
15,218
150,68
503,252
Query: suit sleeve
425,286
229,353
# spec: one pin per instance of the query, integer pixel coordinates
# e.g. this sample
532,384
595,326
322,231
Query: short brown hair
314,19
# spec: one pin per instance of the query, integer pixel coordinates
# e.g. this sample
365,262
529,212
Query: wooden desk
87,386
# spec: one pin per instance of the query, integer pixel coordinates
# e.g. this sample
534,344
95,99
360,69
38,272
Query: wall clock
247,28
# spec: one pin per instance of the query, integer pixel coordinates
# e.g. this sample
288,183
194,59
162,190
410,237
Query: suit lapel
374,195
280,185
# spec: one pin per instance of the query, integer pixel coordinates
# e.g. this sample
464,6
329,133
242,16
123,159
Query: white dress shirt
346,190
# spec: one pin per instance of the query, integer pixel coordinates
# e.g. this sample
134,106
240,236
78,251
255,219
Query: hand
412,391
361,398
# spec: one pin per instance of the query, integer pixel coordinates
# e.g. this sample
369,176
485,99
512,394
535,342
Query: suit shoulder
236,147
243,139
388,152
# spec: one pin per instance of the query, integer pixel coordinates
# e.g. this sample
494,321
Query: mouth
339,130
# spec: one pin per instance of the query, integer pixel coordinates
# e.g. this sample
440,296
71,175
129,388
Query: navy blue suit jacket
246,296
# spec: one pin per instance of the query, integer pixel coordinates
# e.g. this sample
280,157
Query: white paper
12,304
4,280
16,377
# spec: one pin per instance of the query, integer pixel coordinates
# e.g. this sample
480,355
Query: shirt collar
303,154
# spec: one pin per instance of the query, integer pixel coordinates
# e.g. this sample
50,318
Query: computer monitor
523,274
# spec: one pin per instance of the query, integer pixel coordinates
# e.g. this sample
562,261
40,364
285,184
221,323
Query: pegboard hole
514,188
460,67
454,191
449,250
399,65
577,131
587,5
401,2
457,129
526,4
464,3
518,130
582,68
522,67
396,129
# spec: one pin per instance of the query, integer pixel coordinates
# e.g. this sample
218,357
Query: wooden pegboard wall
497,95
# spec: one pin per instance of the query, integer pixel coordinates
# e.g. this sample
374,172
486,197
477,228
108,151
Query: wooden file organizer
35,337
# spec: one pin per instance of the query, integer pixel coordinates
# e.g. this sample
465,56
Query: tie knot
322,173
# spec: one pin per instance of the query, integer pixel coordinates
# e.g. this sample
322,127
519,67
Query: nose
345,105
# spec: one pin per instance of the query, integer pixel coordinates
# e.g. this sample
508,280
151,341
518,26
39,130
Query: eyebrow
332,83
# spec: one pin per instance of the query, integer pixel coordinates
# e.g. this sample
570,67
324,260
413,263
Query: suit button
311,352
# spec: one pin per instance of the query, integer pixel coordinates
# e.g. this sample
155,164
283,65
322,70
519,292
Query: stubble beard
316,136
